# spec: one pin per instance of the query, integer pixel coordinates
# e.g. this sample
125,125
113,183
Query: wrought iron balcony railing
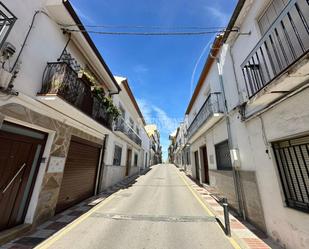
123,127
285,42
7,21
61,80
212,105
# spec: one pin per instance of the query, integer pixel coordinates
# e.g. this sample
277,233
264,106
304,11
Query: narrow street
158,211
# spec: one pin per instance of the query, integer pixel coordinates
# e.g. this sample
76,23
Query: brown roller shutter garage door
79,175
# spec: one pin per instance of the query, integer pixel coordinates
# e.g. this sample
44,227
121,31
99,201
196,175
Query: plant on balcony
84,72
107,102
98,92
111,109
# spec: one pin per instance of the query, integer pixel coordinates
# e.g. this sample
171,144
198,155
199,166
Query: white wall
210,85
289,118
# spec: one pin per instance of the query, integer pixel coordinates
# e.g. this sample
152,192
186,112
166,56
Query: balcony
284,44
209,114
7,21
123,127
61,81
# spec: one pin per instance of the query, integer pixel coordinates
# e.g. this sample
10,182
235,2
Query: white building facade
57,135
255,147
129,146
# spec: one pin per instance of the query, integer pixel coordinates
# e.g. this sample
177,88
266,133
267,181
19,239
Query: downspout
236,175
102,164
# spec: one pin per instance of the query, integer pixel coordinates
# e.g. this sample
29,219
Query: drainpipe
236,175
102,164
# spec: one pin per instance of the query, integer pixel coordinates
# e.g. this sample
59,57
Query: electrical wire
143,27
182,33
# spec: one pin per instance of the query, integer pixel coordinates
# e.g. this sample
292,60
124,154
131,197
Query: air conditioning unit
5,78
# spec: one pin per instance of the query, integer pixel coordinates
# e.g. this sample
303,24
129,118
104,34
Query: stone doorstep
13,233
240,233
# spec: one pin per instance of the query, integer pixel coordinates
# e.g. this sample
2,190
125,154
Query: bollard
226,217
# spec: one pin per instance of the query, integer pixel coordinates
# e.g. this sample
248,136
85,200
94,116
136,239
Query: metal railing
123,127
60,79
212,105
283,44
7,21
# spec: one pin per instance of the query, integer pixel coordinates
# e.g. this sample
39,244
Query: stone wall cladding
253,205
52,181
223,183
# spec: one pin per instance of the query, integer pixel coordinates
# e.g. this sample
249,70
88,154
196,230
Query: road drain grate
156,218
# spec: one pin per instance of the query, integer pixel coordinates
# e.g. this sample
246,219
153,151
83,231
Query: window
223,156
137,130
6,24
135,159
117,155
270,14
292,157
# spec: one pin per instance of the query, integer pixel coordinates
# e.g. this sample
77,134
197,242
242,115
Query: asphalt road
157,212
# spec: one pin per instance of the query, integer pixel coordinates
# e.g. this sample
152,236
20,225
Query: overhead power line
144,27
182,33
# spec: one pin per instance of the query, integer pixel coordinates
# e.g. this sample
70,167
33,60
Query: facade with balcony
155,145
256,152
58,109
272,81
130,144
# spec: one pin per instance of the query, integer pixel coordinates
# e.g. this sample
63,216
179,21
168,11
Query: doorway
21,152
129,161
197,167
205,162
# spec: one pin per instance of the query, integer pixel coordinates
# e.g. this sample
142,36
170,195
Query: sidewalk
244,233
59,221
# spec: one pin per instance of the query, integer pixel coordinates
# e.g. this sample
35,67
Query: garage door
79,173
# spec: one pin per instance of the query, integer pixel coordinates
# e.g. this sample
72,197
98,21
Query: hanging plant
98,92
84,72
111,109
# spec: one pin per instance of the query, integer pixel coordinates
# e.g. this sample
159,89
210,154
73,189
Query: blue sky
160,69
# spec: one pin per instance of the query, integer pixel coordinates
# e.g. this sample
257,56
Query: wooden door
19,159
79,176
129,161
197,167
205,162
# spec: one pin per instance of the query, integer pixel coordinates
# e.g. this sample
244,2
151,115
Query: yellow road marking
51,240
198,198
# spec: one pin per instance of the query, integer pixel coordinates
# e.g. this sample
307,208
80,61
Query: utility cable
143,27
149,33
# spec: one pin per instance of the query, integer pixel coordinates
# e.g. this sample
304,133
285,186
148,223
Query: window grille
135,159
117,155
292,157
223,156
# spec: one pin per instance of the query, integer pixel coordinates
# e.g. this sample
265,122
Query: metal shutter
79,176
